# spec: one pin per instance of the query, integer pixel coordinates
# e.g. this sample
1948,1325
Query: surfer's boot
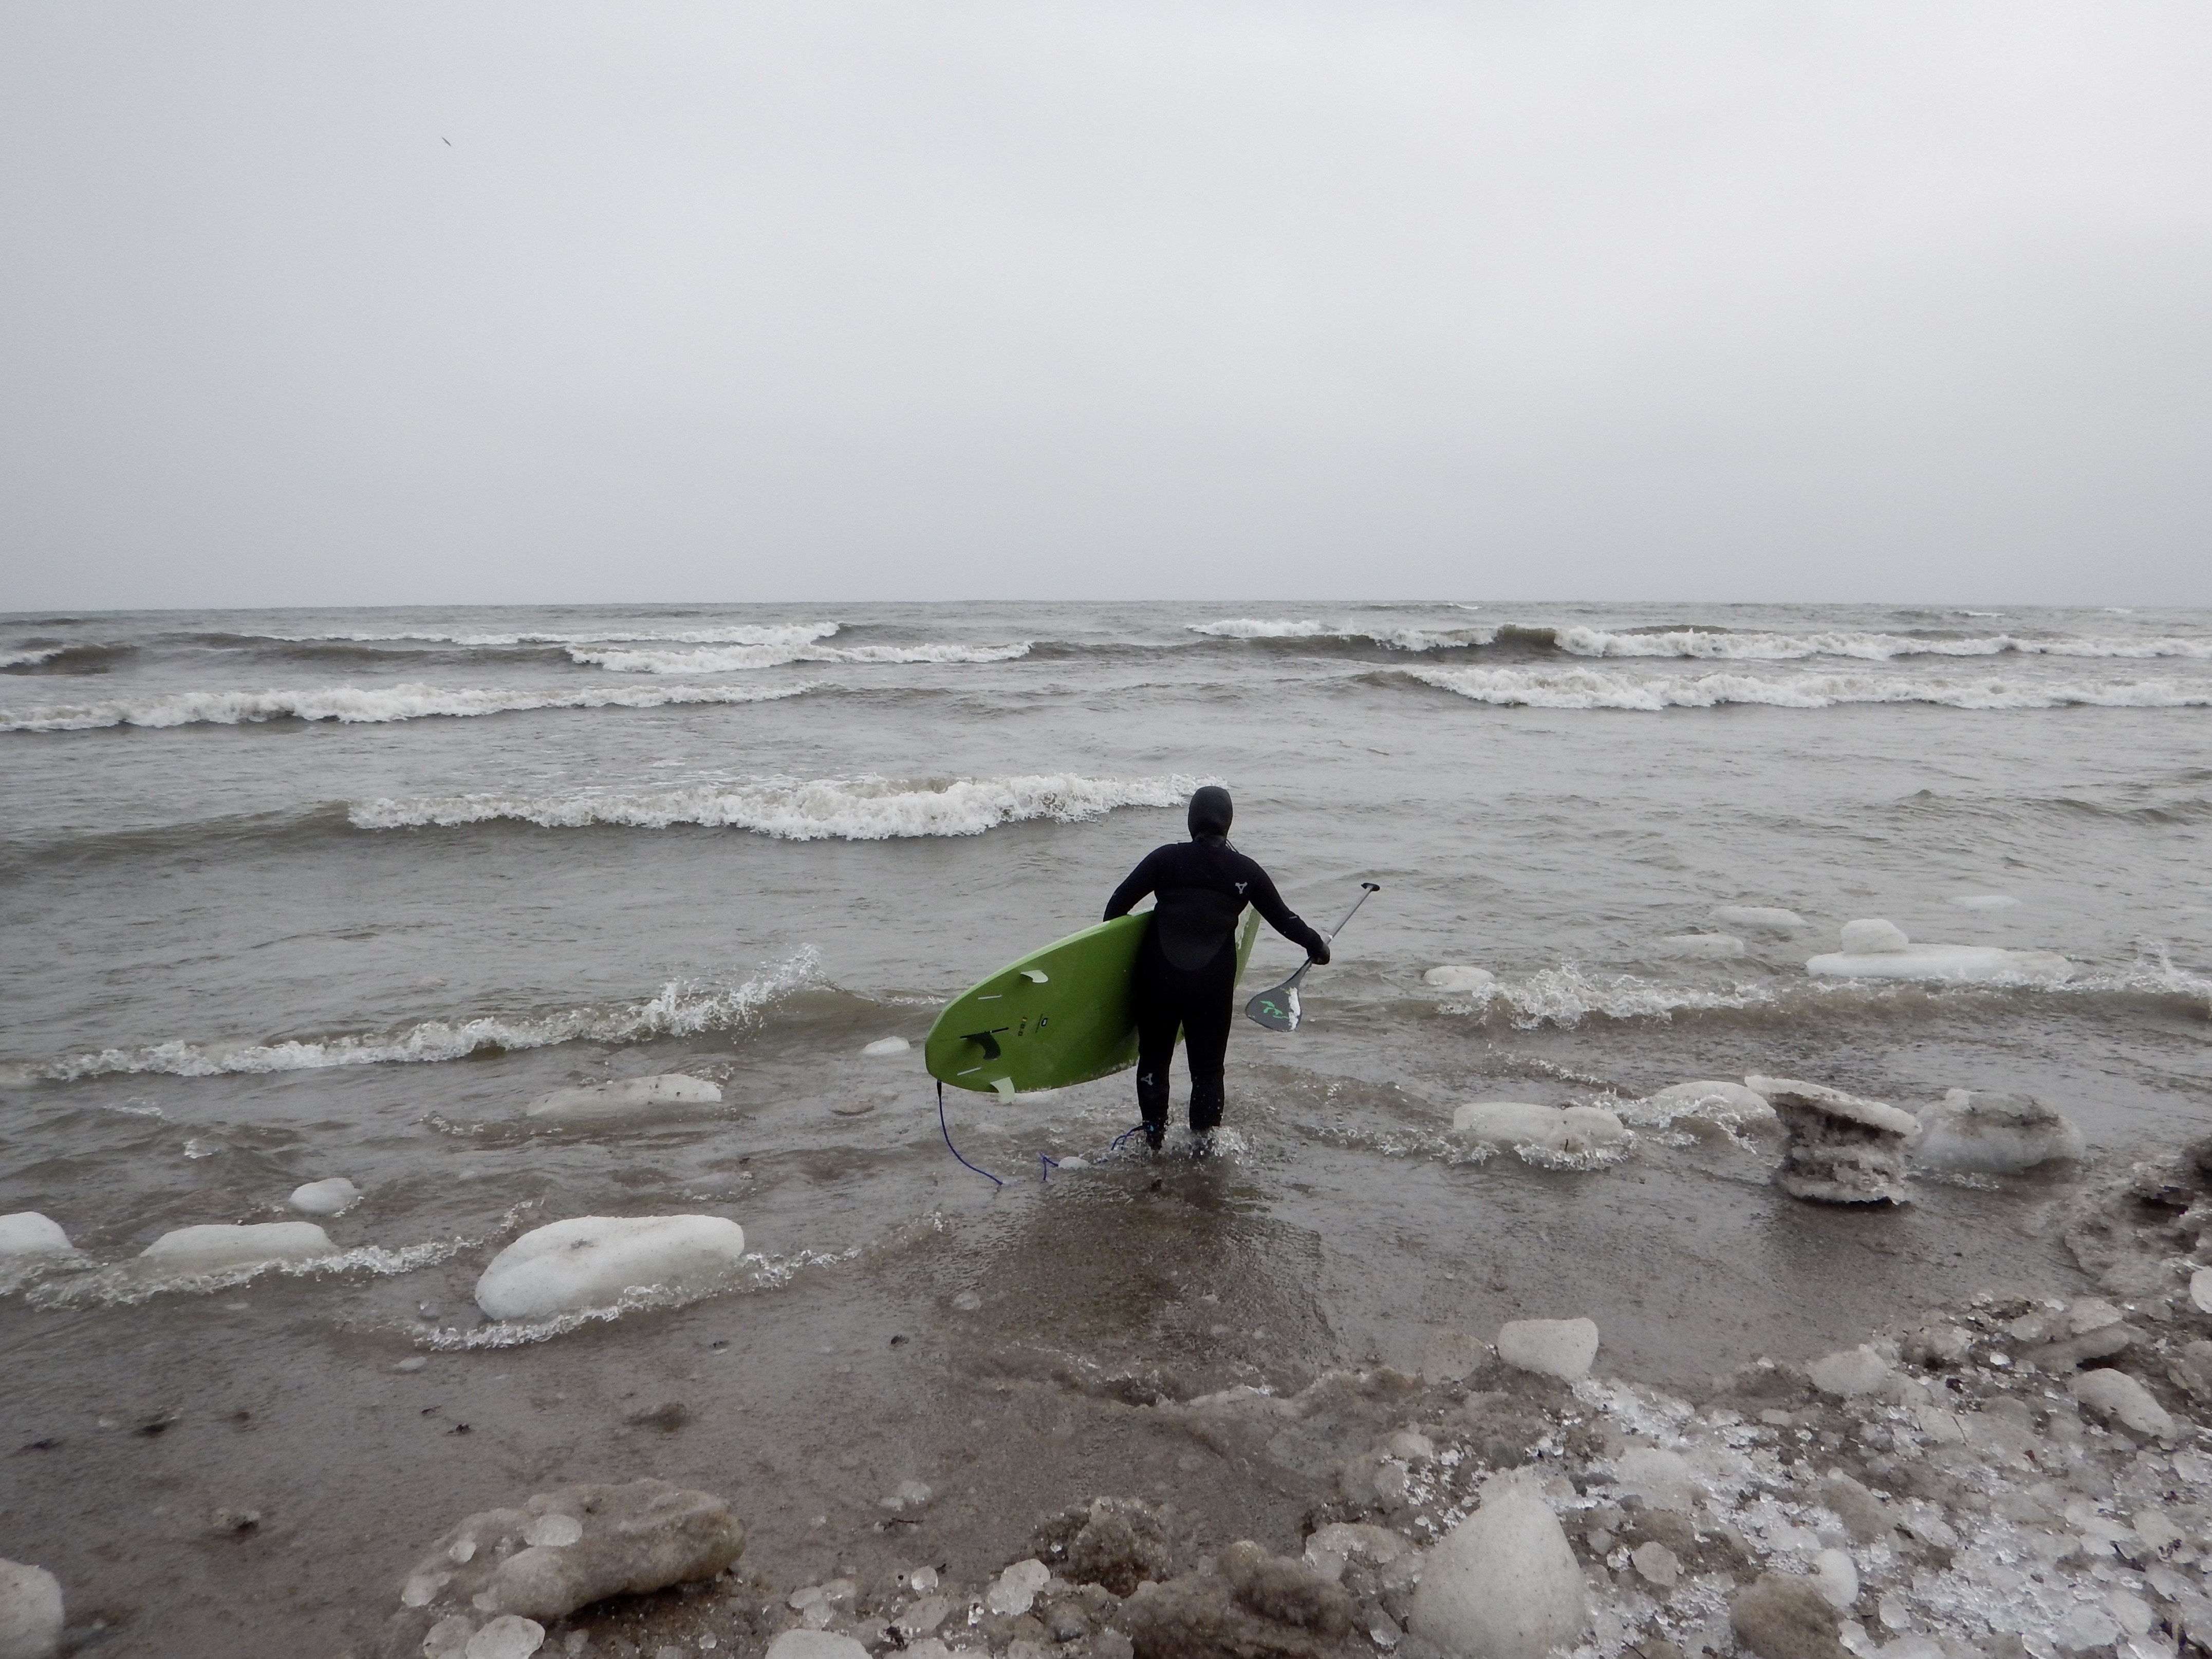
1155,1136
1202,1143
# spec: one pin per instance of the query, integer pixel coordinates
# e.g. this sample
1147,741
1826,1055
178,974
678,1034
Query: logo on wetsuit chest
1240,888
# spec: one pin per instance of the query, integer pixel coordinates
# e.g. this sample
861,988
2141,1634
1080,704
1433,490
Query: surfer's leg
1156,1039
1206,1046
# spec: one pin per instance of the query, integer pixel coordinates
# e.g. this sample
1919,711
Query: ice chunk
1841,1149
591,1260
30,1612
1702,947
1729,1105
1556,1347
1958,964
1760,918
1503,1583
331,1197
553,1531
28,1233
2200,1289
815,1644
1852,1371
883,1046
2117,1397
1867,937
1836,1578
1984,901
1663,1478
1656,1565
216,1246
1452,1355
1994,1134
1015,1589
624,1097
506,1636
1457,976
1568,1129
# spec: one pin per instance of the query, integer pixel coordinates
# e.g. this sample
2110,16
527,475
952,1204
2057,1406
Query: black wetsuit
1187,966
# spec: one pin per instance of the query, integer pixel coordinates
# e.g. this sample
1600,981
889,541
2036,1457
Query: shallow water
253,947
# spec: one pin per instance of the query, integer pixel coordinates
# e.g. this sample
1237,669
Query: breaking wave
780,634
1594,688
1722,645
352,705
775,654
1393,639
683,1008
821,809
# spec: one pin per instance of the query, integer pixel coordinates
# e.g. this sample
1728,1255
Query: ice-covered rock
1984,901
1837,1579
1702,947
1116,1542
1841,1149
1872,936
1570,1131
1712,1101
590,1262
220,1245
1503,1583
1013,1590
1759,919
885,1047
1253,1606
329,1197
1874,948
623,1096
28,1233
2117,1397
30,1612
622,1540
1459,977
1993,1133
1785,1617
1663,1479
506,1636
1555,1347
1850,1371
815,1644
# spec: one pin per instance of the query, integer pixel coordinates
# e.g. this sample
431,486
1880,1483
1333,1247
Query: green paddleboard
1059,1016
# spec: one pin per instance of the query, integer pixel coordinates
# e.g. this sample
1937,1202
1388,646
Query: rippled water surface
291,895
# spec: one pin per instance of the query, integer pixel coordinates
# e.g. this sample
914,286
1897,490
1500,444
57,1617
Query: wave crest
682,1008
821,809
1722,645
1594,688
357,705
735,658
1393,639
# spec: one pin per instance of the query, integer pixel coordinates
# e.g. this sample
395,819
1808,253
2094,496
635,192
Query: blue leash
1046,1165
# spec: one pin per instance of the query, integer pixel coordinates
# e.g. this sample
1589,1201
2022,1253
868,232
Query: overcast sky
394,303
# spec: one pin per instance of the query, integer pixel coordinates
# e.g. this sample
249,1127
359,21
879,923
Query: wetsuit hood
1210,813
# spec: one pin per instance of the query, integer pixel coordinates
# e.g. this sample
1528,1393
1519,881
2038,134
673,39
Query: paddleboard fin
1036,976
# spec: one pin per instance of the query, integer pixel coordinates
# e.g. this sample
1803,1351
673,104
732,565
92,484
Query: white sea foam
125,1284
683,1008
731,658
821,809
352,705
783,634
1397,639
1595,688
1708,643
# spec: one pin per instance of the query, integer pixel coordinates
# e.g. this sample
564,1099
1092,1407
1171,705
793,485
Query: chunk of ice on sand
1710,1100
214,1247
1458,976
589,1261
329,1197
28,1233
1994,1134
1984,901
1760,918
1503,1583
883,1046
1555,1347
1564,1129
30,1611
619,1099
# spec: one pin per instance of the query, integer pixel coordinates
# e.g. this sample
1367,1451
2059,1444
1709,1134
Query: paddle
1278,1010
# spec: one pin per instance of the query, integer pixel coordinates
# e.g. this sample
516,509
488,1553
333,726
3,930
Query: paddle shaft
1365,888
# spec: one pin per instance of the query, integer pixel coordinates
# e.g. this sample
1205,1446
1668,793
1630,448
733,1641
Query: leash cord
955,1150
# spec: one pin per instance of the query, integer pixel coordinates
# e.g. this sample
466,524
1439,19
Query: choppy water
297,894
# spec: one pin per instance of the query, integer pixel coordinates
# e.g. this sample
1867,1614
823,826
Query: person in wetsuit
1187,966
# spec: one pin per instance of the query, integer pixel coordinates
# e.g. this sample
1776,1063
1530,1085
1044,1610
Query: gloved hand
1320,956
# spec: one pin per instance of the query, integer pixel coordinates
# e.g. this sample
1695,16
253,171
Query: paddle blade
1278,1010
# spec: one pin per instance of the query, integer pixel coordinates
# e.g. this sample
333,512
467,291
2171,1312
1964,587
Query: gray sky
1883,299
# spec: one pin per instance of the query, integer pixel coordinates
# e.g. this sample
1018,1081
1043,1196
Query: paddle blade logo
1278,1010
